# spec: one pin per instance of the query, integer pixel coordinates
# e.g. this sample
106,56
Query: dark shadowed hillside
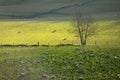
58,8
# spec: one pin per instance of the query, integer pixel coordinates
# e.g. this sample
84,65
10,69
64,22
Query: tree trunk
83,40
83,43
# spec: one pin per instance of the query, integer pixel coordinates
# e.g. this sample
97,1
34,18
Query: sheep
54,31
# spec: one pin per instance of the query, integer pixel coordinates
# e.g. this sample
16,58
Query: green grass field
41,31
60,63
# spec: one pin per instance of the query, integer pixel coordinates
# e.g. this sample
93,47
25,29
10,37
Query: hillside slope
45,16
58,8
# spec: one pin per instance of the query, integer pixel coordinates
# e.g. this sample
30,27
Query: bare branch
83,26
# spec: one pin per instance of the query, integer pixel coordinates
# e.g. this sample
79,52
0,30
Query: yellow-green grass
34,31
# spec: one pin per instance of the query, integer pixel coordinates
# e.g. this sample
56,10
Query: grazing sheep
65,39
18,32
54,31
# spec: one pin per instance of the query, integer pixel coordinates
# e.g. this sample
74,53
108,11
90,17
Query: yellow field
54,32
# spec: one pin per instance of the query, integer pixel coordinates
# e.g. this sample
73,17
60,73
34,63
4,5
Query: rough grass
64,63
33,31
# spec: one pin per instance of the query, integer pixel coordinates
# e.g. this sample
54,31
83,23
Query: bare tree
83,26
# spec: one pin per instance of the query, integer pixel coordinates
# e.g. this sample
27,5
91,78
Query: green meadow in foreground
60,63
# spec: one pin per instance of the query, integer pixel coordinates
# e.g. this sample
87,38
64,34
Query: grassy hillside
43,31
32,31
57,8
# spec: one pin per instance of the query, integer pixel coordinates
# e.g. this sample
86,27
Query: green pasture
60,63
33,31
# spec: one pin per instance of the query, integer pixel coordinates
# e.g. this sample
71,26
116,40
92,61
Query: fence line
35,45
95,43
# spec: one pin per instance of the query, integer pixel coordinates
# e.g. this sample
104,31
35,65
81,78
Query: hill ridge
50,11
